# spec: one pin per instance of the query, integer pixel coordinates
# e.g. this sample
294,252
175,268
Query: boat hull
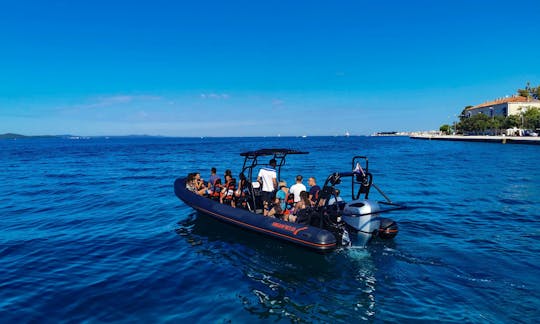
304,235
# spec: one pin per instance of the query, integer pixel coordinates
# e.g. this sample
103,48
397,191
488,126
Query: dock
481,138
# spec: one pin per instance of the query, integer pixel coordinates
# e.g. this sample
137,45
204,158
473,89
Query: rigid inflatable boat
330,224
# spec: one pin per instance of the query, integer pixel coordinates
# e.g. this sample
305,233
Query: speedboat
330,224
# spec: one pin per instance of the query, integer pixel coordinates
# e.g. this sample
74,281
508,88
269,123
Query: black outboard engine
388,229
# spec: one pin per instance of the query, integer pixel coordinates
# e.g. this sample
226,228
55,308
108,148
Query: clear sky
229,68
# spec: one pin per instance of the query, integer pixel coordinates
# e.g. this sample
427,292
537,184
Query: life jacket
228,195
242,195
216,190
289,201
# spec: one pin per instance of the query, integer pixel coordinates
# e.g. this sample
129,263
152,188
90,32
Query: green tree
530,92
496,124
523,92
511,121
481,123
445,129
531,118
463,114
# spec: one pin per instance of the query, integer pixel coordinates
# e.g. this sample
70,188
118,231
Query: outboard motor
362,215
388,229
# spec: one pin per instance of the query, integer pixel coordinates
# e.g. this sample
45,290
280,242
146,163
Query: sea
91,231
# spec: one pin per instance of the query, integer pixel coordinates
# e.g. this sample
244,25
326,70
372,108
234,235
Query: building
514,105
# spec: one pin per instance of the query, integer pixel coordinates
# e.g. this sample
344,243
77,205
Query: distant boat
347,134
304,136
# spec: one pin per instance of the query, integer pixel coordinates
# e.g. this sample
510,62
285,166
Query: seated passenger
335,199
227,193
274,210
213,177
302,204
215,192
192,184
242,194
199,183
282,194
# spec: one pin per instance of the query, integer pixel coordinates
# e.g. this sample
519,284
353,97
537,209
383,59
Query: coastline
480,138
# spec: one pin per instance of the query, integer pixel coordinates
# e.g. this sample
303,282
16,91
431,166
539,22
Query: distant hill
13,136
19,136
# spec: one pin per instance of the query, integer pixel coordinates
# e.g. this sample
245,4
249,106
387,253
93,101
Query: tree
463,114
480,122
496,124
530,92
445,129
531,118
512,121
523,92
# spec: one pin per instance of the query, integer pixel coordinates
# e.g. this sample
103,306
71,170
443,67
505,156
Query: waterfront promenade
481,138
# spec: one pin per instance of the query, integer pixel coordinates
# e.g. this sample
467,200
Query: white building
514,105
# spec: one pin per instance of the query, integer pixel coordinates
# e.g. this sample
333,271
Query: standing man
268,177
297,188
314,190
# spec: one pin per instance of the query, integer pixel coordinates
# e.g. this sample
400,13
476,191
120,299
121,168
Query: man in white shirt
297,188
268,177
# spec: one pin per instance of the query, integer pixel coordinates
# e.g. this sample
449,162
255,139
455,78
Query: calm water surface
90,230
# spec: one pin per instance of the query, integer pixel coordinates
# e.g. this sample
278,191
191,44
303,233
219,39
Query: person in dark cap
268,178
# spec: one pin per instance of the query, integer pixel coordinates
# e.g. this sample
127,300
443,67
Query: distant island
13,136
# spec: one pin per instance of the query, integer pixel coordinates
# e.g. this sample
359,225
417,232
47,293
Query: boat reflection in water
272,277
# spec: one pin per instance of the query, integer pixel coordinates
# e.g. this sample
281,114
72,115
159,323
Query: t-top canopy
274,151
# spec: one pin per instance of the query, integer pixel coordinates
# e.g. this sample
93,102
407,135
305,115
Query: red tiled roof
504,100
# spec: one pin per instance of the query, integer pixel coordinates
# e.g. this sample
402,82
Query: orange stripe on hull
269,231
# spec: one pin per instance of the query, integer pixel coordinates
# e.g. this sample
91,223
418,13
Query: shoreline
481,138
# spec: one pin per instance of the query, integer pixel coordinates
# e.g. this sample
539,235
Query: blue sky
229,68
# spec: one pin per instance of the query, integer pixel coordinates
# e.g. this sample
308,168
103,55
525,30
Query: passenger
213,177
304,201
189,183
335,200
282,194
313,191
199,183
267,177
227,193
216,190
192,184
302,204
297,188
242,193
275,209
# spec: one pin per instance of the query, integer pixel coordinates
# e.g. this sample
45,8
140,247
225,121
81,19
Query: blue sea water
90,230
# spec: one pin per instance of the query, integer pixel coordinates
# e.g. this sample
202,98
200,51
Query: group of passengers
278,200
282,202
226,192
289,201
